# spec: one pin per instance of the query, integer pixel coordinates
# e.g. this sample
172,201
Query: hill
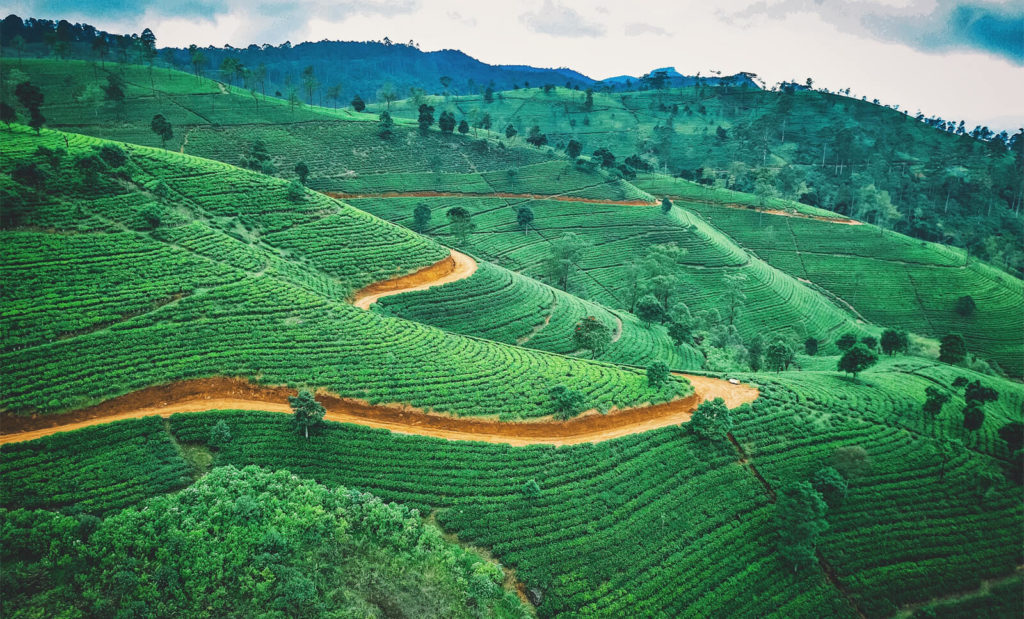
175,263
928,178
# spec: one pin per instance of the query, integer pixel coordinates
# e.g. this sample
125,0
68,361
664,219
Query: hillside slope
135,267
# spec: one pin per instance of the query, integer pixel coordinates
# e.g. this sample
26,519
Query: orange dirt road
514,196
238,394
451,269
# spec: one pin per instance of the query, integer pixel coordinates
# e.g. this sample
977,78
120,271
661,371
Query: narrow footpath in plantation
222,393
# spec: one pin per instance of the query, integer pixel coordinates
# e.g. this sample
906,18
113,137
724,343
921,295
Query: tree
974,416
162,127
426,117
530,489
420,217
800,518
734,297
567,402
979,394
811,346
536,138
680,332
934,400
357,104
387,94
510,131
385,125
778,356
666,205
463,127
851,461
295,192
447,123
29,175
524,217
605,157
846,341
100,48
588,102
32,98
573,149
228,68
197,58
1013,434
565,252
593,335
334,94
856,360
302,170
308,413
148,42
965,306
7,114
712,420
869,341
952,349
894,341
831,485
461,222
657,374
649,309
446,82
220,434
309,82
489,95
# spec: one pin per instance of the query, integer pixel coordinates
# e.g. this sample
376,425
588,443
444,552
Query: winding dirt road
451,269
221,393
238,394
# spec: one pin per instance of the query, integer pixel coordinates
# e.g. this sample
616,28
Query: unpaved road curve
512,196
451,269
238,394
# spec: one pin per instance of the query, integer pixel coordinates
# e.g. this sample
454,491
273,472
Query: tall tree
358,105
307,412
778,356
32,98
856,360
712,419
894,341
421,217
461,222
162,127
952,349
593,335
309,82
565,252
800,519
524,217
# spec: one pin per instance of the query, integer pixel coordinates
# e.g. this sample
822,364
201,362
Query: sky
958,60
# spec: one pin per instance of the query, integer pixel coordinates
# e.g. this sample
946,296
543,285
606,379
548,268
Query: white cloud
559,20
635,29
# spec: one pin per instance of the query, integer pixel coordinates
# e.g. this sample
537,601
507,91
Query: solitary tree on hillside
357,104
588,102
567,402
302,170
831,485
7,114
856,360
510,131
712,420
421,217
463,127
593,335
426,117
934,400
894,341
573,149
334,94
447,123
162,127
666,205
387,94
657,374
385,125
1013,434
952,349
811,346
965,306
524,217
846,341
800,519
565,252
32,98
536,138
461,222
308,413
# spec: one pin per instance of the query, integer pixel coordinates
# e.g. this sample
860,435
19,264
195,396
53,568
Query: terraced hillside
925,177
132,267
614,527
619,235
888,278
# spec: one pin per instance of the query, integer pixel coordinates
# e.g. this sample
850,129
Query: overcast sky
958,60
